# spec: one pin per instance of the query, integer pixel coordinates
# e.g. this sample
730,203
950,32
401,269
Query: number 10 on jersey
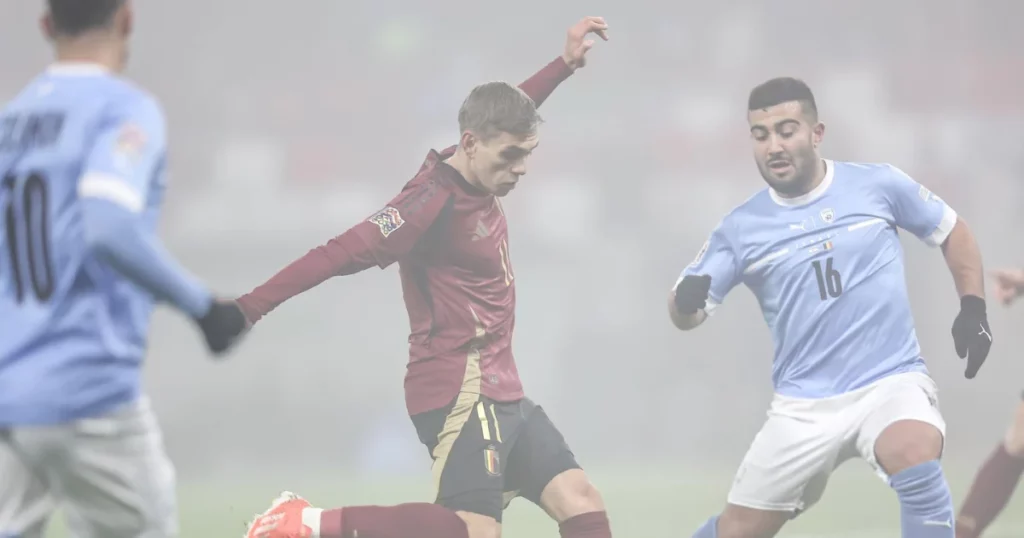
32,229
830,283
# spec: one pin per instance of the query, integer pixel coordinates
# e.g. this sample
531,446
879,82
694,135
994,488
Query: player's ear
818,134
468,142
46,24
125,19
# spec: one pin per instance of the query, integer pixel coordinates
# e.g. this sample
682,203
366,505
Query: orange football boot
282,520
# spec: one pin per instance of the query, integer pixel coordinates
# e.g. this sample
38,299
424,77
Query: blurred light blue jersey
827,270
72,329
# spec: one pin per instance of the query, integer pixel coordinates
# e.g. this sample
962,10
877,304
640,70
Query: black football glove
971,334
223,325
692,293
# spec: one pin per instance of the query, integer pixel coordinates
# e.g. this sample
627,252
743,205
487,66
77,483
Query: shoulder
431,181
870,173
760,203
434,175
140,102
426,194
121,100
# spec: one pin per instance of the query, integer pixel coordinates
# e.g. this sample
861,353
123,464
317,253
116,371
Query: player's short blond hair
498,107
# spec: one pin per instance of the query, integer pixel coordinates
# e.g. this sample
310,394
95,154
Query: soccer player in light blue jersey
819,249
81,184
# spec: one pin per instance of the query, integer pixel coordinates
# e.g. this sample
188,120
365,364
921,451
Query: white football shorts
805,440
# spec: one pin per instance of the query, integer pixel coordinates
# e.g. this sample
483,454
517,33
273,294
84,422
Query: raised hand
577,44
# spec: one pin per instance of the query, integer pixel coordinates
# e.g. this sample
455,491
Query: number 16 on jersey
830,283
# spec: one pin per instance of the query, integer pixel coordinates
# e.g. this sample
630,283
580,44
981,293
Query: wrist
972,304
249,311
567,64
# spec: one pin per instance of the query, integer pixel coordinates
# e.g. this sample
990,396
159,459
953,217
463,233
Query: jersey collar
811,196
77,69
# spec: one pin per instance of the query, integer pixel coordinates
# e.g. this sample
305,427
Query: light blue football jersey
827,270
72,329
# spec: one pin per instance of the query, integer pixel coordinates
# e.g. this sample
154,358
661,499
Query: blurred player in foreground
819,249
81,183
999,475
447,231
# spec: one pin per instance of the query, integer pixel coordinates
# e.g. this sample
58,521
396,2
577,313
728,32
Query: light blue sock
708,530
926,506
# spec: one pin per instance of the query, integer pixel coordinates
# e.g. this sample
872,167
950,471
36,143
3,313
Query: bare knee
906,443
1015,434
742,522
480,526
570,494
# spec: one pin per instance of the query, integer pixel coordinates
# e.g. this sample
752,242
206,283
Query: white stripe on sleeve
944,228
113,189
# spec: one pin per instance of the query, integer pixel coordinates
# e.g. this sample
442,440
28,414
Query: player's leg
470,443
544,470
995,482
902,437
784,472
25,502
464,441
111,473
291,516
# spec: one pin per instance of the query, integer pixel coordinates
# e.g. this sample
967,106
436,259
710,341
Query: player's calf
908,451
573,501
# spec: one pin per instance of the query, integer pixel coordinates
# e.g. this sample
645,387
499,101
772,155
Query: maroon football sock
422,520
990,492
590,525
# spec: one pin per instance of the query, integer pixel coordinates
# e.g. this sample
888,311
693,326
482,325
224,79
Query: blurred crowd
291,122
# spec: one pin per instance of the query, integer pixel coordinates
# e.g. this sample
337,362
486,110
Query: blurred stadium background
292,121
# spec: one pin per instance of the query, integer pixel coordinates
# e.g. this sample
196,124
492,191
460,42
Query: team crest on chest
828,215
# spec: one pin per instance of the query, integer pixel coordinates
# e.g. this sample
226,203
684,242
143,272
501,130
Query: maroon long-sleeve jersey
451,244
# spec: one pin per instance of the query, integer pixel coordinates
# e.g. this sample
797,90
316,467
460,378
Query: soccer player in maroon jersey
447,231
999,475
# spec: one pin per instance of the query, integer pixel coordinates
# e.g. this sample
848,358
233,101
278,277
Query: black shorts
487,453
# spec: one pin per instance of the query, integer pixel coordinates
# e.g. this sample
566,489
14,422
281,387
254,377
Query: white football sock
311,519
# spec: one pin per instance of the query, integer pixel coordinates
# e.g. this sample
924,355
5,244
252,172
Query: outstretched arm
380,240
114,189
543,82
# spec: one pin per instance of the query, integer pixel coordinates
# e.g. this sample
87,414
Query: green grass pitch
659,503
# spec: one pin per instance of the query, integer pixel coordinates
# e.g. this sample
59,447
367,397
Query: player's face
497,163
786,146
